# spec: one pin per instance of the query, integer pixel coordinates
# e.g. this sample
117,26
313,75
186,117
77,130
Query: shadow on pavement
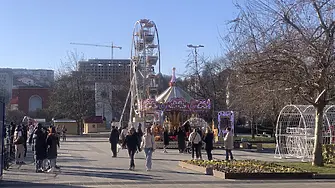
5,184
110,175
89,168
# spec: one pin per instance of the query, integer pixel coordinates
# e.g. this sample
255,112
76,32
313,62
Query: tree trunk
79,127
252,129
317,150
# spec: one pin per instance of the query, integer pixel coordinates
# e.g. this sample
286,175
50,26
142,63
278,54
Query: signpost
2,137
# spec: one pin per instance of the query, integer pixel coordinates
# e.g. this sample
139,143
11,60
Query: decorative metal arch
295,130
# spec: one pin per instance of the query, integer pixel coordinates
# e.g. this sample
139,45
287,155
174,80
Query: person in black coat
132,143
113,140
209,143
40,146
166,139
25,137
139,132
181,140
52,144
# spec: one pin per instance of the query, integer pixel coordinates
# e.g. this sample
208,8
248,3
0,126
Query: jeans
195,148
209,154
52,162
148,157
229,153
19,152
131,156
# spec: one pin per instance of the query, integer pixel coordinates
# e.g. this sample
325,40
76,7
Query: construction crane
99,45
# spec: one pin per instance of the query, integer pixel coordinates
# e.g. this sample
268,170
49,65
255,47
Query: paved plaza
87,162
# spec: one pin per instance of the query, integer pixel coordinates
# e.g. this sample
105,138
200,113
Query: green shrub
328,153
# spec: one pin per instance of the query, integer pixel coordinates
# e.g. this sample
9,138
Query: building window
35,102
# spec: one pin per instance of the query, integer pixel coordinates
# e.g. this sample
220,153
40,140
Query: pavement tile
87,162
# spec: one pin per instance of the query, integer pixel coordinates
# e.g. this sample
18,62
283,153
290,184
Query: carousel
173,107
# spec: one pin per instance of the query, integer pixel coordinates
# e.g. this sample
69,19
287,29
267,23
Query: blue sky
38,33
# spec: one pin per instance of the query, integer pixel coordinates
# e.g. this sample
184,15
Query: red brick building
29,99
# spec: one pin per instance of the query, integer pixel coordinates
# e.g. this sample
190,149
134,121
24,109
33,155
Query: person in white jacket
195,140
229,144
149,146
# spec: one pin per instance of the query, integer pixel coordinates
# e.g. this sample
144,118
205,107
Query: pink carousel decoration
174,104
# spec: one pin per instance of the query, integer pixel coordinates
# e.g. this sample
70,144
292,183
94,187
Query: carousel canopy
173,91
175,99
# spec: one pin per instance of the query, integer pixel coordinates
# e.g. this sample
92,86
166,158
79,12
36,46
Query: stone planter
210,171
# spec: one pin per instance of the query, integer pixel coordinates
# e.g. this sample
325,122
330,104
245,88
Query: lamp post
195,47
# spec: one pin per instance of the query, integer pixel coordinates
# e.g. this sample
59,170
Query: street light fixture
195,47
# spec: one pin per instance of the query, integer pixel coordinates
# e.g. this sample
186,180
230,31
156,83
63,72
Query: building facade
26,89
109,79
30,99
105,69
42,78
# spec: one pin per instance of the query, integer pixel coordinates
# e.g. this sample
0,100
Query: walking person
209,143
52,145
64,131
38,138
131,141
229,144
19,145
200,143
149,146
195,139
113,140
166,139
181,140
123,134
25,137
139,132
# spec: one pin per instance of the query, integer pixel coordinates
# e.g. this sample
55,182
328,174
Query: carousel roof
173,92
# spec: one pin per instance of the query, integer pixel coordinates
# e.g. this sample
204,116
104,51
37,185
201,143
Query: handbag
20,140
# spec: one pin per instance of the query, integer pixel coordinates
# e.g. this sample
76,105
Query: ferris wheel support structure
145,60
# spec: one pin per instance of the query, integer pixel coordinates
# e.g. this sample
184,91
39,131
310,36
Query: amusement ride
170,108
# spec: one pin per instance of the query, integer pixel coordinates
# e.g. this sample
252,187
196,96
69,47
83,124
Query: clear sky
37,33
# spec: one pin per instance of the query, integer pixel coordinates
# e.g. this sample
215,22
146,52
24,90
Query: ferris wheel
145,66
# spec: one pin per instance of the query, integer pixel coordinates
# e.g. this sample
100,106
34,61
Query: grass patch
327,169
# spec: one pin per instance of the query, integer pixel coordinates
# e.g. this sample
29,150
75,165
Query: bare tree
72,97
289,42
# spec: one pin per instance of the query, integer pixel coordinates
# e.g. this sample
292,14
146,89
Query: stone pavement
87,162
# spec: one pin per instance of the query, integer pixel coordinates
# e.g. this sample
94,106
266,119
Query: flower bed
247,169
245,166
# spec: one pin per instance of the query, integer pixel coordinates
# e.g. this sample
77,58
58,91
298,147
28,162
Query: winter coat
148,141
52,143
18,137
209,141
181,139
166,138
229,141
114,136
40,145
132,142
195,138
